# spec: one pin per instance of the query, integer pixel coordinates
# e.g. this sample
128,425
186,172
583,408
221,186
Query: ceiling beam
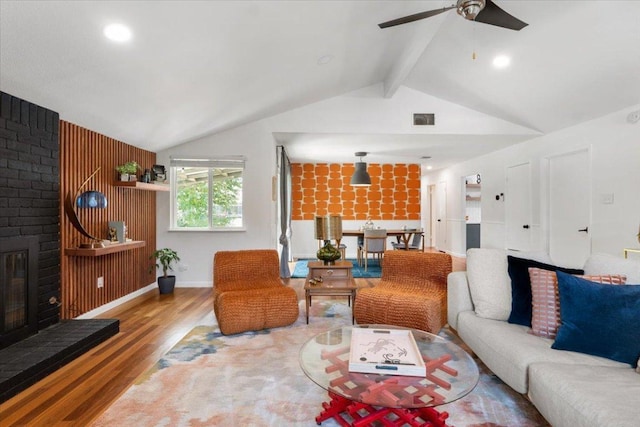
424,33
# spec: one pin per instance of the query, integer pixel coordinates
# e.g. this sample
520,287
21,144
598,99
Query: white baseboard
194,285
113,304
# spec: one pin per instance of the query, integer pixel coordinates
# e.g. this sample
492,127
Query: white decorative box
385,351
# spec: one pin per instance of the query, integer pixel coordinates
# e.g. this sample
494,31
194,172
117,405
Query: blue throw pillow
521,299
597,319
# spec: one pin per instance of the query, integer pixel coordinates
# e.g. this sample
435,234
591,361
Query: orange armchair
248,294
412,292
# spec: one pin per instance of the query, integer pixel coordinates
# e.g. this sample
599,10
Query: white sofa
569,389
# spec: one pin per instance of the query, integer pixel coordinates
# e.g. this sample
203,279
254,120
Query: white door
433,213
441,215
517,201
569,208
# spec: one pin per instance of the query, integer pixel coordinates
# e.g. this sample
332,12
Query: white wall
196,249
615,169
616,144
364,111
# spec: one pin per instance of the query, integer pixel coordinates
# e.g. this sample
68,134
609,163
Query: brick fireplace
29,213
33,340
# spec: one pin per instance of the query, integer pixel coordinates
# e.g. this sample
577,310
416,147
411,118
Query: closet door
518,207
441,216
569,208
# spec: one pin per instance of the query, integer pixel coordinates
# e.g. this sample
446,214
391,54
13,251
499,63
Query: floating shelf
109,249
472,199
137,185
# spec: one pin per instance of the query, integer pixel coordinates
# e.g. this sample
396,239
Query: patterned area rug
254,379
373,269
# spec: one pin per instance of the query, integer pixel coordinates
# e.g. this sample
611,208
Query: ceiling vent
424,119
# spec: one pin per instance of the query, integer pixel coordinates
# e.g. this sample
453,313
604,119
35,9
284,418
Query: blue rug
373,269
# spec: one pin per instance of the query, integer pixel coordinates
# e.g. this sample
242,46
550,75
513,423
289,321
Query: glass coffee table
362,399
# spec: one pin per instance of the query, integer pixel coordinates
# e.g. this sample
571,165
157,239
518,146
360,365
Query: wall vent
424,119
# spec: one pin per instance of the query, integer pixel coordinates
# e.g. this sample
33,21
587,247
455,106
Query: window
207,194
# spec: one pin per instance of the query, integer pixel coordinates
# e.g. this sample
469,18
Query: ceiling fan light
469,9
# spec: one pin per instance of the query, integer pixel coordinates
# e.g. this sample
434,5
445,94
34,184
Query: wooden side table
329,280
627,250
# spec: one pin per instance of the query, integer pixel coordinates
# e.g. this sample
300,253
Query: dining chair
375,243
415,245
343,251
359,246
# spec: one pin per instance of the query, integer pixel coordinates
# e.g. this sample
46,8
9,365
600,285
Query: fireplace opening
18,289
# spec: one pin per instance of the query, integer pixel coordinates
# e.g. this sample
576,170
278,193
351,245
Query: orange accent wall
322,189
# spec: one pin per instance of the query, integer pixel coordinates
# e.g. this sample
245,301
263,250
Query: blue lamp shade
91,200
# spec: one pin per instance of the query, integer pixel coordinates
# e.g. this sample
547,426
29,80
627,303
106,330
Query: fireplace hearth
28,361
27,354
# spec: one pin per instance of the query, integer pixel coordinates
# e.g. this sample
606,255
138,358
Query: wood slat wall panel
82,151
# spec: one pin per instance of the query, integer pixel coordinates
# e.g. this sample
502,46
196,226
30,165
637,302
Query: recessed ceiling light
429,168
117,33
501,61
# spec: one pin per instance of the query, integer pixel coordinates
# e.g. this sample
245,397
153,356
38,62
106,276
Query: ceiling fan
485,11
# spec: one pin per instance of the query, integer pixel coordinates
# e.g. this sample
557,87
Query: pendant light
360,176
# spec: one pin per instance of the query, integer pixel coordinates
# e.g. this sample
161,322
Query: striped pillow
545,318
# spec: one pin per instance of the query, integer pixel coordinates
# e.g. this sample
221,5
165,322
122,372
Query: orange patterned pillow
545,319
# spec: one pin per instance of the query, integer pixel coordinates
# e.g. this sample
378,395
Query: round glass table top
450,372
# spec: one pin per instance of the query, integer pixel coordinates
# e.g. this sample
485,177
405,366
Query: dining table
402,235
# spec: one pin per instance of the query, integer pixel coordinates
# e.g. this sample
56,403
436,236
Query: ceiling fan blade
414,17
493,15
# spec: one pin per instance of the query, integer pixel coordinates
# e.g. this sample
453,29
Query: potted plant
128,171
164,258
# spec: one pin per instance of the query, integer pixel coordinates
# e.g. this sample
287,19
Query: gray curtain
284,181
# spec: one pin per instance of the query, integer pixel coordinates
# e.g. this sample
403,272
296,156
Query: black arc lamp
87,200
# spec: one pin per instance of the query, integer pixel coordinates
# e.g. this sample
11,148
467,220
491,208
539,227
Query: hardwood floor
81,390
150,325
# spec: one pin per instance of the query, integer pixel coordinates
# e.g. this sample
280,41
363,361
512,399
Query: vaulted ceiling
194,68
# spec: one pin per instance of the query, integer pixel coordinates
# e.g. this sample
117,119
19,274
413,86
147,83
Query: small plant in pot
128,171
164,258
